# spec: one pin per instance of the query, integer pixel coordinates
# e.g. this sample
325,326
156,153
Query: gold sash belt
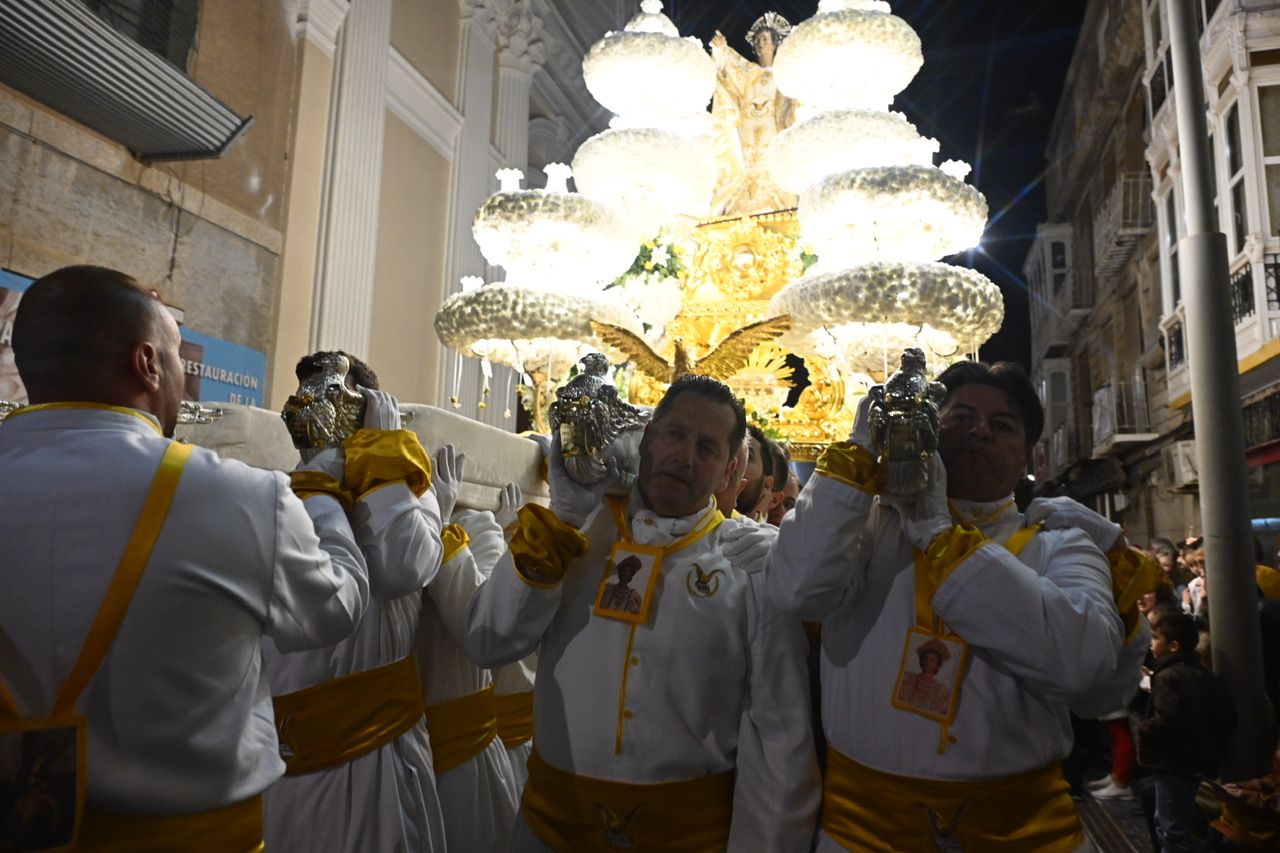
339,720
461,729
865,809
233,829
572,813
515,719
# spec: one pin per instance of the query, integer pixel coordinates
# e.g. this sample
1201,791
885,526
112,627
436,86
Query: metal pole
1215,405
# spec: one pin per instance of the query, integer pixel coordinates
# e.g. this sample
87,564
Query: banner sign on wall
217,371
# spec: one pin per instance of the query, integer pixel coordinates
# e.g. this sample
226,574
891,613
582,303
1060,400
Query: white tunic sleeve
460,579
403,547
1058,631
777,789
320,583
811,571
1118,690
509,615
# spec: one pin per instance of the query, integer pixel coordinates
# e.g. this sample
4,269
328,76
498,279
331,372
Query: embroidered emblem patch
617,831
703,584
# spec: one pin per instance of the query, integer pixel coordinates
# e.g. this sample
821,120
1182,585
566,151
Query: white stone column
343,308
470,183
521,52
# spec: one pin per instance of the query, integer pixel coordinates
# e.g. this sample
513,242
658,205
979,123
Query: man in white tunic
513,683
684,727
1025,635
350,718
181,740
478,796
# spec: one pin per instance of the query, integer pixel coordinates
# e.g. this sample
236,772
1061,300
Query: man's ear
144,364
1175,648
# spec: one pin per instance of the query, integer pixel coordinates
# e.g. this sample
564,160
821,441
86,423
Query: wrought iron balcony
1122,220
1242,302
1121,415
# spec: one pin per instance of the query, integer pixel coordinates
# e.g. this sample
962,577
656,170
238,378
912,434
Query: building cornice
412,98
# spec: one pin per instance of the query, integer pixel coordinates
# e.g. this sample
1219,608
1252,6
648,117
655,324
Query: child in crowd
1185,730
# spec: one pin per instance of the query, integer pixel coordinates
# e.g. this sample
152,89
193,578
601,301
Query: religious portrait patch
42,775
626,590
929,677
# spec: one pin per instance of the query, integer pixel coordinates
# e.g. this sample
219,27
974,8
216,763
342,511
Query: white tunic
180,715
714,683
478,798
1043,630
513,678
384,801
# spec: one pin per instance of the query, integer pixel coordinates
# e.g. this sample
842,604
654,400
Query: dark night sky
993,71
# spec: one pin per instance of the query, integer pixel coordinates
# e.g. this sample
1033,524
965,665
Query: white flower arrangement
891,213
649,174
855,58
960,302
649,74
842,5
553,239
519,326
862,349
839,141
654,296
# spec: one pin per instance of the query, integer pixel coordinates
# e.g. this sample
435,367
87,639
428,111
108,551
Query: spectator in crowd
1185,730
759,473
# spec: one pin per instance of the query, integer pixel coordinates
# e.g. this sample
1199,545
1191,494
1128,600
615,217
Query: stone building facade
341,217
1108,316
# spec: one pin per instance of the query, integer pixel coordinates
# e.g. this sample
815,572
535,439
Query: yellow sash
570,812
868,810
346,717
235,828
461,729
515,719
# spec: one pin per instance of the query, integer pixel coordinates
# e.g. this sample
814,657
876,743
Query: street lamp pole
1215,405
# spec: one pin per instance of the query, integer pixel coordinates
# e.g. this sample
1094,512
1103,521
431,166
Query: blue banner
217,371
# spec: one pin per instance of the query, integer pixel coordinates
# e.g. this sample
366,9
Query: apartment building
1110,352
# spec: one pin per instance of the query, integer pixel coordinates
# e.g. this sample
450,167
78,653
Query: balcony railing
1122,221
1120,413
1243,305
1271,269
1262,421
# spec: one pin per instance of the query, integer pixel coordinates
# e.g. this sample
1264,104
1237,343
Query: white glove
381,410
326,460
925,515
1057,513
446,478
747,545
571,501
861,434
509,502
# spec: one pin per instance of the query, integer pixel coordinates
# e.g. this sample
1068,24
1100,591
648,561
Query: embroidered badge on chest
701,583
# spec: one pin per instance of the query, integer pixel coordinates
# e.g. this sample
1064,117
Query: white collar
649,528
